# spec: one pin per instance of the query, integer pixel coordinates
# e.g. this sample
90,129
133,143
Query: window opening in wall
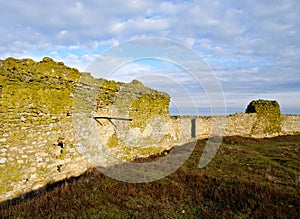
193,128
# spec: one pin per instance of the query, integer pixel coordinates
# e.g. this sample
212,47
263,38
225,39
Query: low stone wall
290,124
242,124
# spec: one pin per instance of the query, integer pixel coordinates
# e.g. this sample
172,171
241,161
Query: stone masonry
52,115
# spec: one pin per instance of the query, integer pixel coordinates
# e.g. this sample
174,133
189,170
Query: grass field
248,178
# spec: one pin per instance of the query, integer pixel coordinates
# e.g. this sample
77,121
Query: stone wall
290,124
48,130
36,133
56,122
242,124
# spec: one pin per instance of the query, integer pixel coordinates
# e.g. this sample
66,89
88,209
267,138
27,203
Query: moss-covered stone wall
36,137
39,132
137,113
268,116
48,129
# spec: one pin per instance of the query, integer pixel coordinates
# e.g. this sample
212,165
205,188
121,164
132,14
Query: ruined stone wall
36,135
47,115
56,122
290,124
242,124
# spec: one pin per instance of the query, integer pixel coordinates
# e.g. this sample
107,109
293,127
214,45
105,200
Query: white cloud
62,34
88,57
110,42
251,45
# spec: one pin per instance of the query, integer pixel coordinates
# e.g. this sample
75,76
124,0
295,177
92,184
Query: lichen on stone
268,114
113,141
147,106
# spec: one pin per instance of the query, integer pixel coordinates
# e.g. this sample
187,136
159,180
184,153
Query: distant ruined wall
56,123
290,124
241,124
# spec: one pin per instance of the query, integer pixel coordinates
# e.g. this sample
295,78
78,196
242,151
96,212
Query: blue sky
253,47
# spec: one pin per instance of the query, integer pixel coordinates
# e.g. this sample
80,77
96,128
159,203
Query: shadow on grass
242,181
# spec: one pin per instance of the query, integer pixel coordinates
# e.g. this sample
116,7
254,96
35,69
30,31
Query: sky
252,47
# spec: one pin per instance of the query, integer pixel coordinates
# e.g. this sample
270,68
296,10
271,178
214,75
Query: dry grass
248,178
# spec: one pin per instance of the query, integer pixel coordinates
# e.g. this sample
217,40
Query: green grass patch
248,178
